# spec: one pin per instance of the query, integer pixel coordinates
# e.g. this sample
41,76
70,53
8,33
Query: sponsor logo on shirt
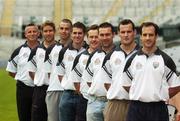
84,61
97,61
56,55
41,55
25,55
70,58
155,64
117,61
138,66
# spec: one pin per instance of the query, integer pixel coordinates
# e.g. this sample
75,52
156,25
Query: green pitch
8,110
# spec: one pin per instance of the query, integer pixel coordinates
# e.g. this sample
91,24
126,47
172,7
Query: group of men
69,80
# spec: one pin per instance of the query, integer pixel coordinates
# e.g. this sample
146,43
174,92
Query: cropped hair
48,23
80,25
31,24
125,22
67,21
147,24
92,27
106,25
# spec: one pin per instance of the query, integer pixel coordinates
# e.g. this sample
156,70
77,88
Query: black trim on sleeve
61,55
107,57
129,61
76,60
89,59
168,61
48,51
15,53
33,53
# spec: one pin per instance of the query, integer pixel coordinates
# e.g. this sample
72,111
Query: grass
8,111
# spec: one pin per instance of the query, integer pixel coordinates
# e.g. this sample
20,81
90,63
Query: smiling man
17,69
150,75
37,72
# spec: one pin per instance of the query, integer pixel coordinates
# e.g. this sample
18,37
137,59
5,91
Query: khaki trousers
116,110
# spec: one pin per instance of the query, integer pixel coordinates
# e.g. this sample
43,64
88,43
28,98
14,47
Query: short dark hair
92,27
80,25
67,21
48,23
106,25
31,24
125,22
147,24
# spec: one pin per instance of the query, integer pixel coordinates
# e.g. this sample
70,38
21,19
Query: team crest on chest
56,55
70,58
41,55
155,64
25,55
117,61
84,61
97,61
138,66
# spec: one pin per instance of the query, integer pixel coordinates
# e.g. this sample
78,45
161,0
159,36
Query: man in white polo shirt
38,74
150,76
55,89
112,69
17,69
80,63
97,92
70,104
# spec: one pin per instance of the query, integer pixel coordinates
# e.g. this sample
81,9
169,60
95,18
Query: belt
73,92
20,83
44,87
100,98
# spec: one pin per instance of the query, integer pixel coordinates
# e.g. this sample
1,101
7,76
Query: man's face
64,30
77,35
106,37
127,34
148,37
93,39
48,33
31,33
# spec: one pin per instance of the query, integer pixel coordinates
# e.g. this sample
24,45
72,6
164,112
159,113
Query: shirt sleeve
48,63
32,64
76,73
88,73
172,78
106,72
12,65
60,69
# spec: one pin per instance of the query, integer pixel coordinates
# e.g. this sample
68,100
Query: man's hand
178,117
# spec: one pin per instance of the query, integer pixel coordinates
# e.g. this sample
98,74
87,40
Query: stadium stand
16,13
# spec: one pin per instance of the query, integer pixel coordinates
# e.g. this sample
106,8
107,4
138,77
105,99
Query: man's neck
77,46
65,42
47,43
33,44
128,48
149,51
108,49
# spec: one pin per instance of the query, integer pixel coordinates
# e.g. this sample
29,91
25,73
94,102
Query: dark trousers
152,111
39,109
72,106
24,95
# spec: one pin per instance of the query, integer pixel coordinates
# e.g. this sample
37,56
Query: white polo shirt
93,75
36,64
112,69
77,71
51,57
65,63
150,76
18,64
